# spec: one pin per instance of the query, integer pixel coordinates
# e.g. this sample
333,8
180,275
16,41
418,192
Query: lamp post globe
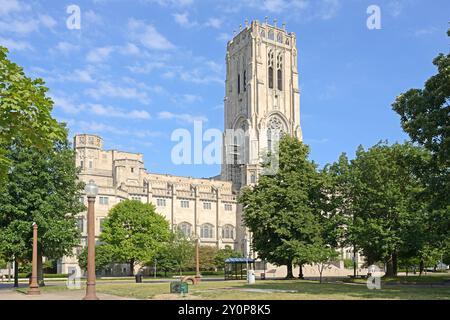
91,191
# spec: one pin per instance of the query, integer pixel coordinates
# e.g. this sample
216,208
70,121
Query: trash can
251,277
138,278
263,276
178,287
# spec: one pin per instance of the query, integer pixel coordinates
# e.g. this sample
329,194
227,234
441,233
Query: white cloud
14,45
146,68
183,20
8,6
329,9
214,23
66,48
47,21
20,27
66,105
92,18
148,36
184,117
108,111
129,49
99,54
107,89
83,76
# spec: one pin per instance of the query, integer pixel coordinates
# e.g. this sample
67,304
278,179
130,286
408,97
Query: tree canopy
25,112
134,232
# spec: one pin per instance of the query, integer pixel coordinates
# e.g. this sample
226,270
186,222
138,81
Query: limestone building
262,100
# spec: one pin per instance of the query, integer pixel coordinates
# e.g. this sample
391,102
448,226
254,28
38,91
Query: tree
323,257
282,210
176,254
389,208
25,112
134,232
224,254
425,116
42,187
104,256
207,256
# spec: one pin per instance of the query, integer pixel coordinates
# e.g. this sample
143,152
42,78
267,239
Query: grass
240,290
436,278
310,290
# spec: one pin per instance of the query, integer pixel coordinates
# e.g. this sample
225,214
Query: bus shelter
236,268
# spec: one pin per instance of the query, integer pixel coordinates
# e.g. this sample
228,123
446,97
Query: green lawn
311,290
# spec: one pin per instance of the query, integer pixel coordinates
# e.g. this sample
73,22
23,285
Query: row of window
207,230
160,202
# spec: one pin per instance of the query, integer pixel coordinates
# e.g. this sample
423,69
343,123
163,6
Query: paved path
57,295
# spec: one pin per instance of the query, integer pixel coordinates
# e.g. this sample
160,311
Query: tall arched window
270,63
245,80
270,77
185,228
207,231
239,84
280,80
228,232
271,35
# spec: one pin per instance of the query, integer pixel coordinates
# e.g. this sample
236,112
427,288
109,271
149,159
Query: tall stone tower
262,97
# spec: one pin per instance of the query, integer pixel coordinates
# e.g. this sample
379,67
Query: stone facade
203,207
262,99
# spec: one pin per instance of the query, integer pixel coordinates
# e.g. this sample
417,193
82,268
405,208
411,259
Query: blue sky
137,70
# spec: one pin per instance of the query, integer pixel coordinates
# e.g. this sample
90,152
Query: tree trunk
40,271
290,275
300,272
421,267
132,268
16,273
390,267
395,264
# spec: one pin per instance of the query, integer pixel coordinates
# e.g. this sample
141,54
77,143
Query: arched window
270,77
239,84
271,64
228,232
280,79
207,231
245,80
280,37
271,35
185,228
263,34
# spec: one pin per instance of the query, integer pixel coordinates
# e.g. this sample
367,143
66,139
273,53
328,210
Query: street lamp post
91,190
34,285
197,260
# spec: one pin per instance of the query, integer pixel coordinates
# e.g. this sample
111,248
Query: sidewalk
57,295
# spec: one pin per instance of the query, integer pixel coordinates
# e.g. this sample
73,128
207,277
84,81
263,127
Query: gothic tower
262,97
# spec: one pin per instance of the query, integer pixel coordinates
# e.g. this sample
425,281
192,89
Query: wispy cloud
183,117
182,19
148,36
14,45
98,55
107,89
108,111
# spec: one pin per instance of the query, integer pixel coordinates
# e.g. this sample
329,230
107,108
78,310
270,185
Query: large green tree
42,187
134,232
425,116
25,112
282,211
388,204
